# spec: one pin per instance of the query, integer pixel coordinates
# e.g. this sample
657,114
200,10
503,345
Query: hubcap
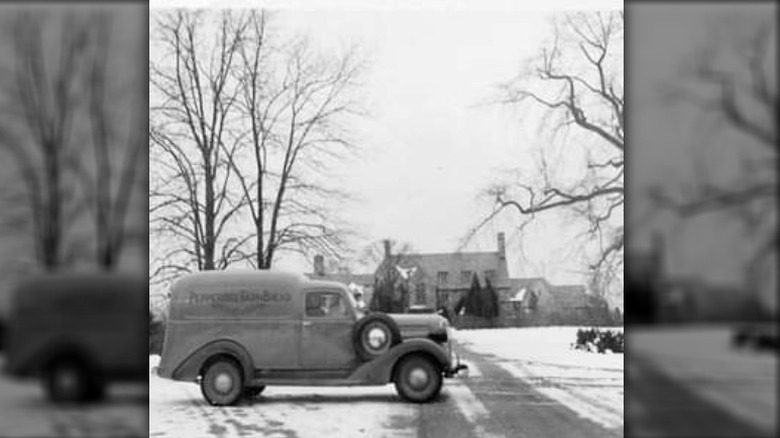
223,383
67,380
418,378
376,338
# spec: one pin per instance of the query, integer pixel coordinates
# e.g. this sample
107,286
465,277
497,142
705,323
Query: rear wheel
222,382
69,379
418,379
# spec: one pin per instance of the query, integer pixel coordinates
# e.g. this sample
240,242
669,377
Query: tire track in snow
471,408
589,406
519,409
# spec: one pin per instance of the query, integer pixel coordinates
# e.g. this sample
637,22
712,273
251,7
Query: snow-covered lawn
589,383
702,359
539,346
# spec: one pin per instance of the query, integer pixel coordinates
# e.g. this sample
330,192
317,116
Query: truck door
326,331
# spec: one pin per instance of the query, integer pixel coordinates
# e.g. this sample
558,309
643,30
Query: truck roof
78,289
236,293
217,280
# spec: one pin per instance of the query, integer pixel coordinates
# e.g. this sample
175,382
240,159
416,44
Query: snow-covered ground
590,384
25,412
177,409
701,358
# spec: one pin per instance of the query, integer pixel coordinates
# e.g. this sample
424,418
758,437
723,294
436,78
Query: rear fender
189,369
33,359
380,370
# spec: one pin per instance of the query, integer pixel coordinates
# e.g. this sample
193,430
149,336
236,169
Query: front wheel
418,379
222,383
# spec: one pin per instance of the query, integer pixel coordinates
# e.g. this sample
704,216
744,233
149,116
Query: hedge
600,340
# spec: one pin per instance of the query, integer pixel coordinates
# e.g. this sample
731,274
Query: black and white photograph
702,336
73,219
376,220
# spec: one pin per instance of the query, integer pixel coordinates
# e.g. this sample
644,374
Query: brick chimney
501,246
387,248
319,265
659,263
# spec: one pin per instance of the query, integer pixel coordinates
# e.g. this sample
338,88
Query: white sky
430,148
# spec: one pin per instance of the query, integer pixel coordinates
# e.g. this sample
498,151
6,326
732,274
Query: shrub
593,339
156,334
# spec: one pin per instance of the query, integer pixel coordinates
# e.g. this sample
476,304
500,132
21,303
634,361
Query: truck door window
325,304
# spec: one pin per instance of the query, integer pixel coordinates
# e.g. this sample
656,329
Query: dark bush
599,340
156,334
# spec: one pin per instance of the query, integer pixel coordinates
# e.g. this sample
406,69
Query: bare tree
56,92
115,177
40,105
577,82
190,200
243,139
295,104
732,81
393,262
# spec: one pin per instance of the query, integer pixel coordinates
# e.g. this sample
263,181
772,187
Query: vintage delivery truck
78,333
234,333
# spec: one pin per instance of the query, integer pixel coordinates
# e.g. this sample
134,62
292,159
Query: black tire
418,378
253,391
68,380
222,382
374,335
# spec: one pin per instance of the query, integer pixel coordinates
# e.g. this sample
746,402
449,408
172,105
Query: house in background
655,296
440,279
534,301
691,299
362,284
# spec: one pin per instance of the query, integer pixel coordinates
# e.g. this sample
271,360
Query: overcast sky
431,145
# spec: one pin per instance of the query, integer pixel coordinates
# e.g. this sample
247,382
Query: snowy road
25,412
502,397
689,381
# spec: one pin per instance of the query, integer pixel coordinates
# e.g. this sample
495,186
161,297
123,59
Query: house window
441,277
490,274
465,277
419,295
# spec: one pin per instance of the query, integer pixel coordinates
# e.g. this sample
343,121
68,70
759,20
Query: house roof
570,295
517,284
359,279
456,262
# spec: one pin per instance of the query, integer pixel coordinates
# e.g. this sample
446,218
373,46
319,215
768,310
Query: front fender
189,368
380,370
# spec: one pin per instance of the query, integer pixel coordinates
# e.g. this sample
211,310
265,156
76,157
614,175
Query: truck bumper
457,368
